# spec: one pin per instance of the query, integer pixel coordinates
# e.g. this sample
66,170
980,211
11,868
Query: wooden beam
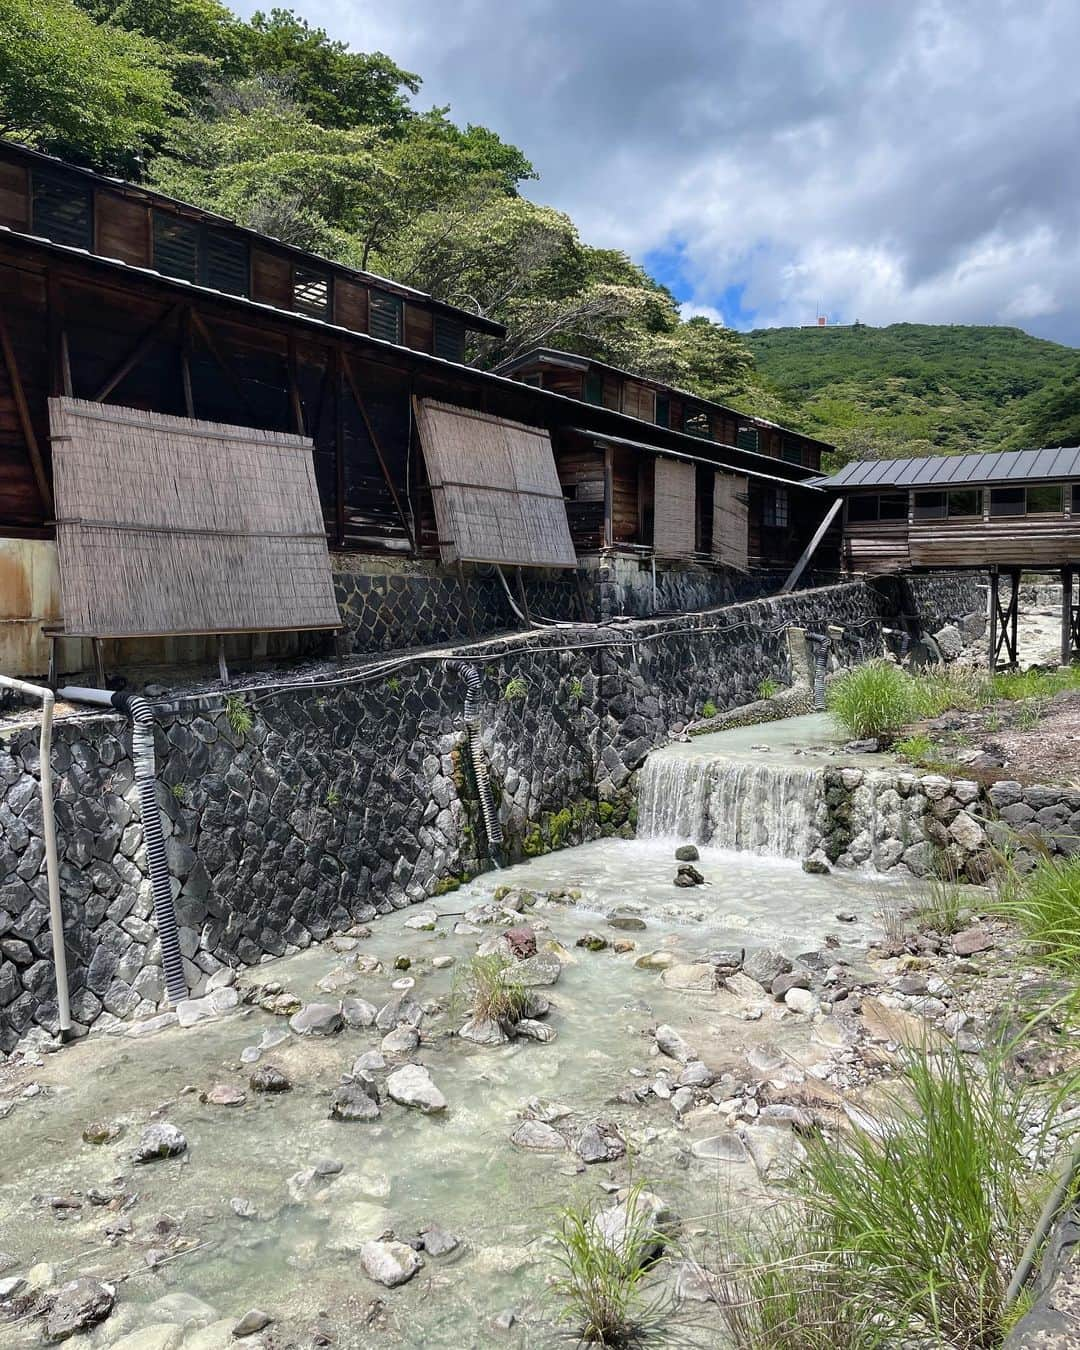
609,495
384,468
211,346
22,409
295,403
137,353
185,362
339,447
812,547
1066,615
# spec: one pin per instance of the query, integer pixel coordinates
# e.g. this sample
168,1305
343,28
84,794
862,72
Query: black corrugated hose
492,829
141,713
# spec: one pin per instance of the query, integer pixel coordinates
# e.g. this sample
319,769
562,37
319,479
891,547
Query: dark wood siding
14,197
418,328
122,229
351,305
271,279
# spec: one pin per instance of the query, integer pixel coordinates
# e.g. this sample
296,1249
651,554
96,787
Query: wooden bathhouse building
120,297
1000,513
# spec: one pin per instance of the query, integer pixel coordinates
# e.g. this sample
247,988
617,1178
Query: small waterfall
748,806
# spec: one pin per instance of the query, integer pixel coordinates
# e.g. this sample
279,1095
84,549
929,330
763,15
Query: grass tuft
491,993
876,699
601,1275
941,907
238,714
1046,906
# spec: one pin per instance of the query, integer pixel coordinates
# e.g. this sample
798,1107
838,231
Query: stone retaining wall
928,824
296,812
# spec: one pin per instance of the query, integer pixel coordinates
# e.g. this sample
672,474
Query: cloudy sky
881,160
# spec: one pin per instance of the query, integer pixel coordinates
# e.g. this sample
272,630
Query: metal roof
1002,466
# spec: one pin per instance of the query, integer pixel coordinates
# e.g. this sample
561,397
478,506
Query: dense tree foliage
275,123
917,389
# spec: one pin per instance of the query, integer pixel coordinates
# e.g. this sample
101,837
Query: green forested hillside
914,389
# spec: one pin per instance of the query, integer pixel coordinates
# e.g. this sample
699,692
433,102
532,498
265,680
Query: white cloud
894,160
689,309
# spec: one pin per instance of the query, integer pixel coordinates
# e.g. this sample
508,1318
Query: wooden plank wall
876,546
1027,541
24,316
123,229
14,196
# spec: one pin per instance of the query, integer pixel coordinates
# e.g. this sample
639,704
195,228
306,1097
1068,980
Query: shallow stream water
298,1257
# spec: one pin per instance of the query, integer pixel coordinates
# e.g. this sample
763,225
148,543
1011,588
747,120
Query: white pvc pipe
52,867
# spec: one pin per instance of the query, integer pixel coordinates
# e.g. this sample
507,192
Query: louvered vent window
227,264
449,338
311,292
791,452
747,438
663,411
385,316
697,424
62,212
176,246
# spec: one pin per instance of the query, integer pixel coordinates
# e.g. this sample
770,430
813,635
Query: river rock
688,875
411,1085
646,1218
401,1010
801,1000
626,921
592,942
791,979
744,986
538,1136
371,1061
223,1094
102,1132
400,1042
534,1031
696,1074
389,1263
79,1305
723,1147
358,1013
10,1286
655,961
351,1102
317,1019
252,1321
670,1043
520,942
483,1031
159,1141
687,853
600,1142
538,971
970,941
267,1078
764,964
424,921
692,976
437,1242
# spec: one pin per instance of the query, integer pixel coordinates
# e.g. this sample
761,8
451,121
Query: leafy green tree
336,87
85,91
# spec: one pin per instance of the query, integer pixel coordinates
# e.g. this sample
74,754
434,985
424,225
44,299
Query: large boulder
411,1085
79,1305
159,1141
317,1019
389,1263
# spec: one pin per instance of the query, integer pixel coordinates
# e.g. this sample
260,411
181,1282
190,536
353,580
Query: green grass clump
238,714
1015,685
600,1276
515,688
487,987
768,688
1046,906
915,749
936,1207
942,908
785,1290
708,709
872,700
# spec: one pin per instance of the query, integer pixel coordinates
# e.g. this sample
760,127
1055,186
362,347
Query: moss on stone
448,884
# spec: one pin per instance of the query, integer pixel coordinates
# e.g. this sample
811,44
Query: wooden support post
609,495
210,343
99,664
339,450
466,603
152,334
1066,615
521,594
1004,619
65,365
26,425
995,610
185,363
383,466
222,664
295,402
52,662
811,548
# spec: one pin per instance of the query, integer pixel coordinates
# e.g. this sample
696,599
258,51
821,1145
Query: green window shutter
747,438
62,212
594,387
384,316
176,246
663,411
227,266
449,338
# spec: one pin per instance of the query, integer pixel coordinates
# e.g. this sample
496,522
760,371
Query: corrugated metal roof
1003,466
